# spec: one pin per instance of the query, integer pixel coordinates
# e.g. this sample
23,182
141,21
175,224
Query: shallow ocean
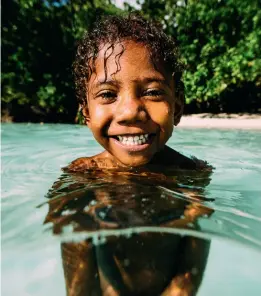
32,158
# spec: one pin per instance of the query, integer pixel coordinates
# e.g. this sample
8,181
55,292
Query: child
128,83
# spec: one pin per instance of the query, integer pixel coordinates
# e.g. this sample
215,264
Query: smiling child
128,83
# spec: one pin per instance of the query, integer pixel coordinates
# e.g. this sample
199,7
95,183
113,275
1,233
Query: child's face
131,114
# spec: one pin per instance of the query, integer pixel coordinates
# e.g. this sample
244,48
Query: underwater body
136,233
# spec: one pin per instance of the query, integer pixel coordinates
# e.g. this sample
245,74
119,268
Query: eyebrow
153,79
113,82
110,82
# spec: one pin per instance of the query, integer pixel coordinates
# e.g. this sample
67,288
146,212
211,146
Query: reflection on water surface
144,262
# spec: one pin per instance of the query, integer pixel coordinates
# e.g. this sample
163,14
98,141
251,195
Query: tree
220,45
38,45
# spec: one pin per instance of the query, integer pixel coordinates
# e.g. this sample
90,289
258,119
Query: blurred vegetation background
220,42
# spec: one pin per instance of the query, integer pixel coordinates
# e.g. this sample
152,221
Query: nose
131,110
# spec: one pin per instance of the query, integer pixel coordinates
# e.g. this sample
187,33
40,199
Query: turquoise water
32,156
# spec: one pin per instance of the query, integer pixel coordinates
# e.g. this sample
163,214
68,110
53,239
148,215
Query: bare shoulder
81,164
194,163
87,163
172,158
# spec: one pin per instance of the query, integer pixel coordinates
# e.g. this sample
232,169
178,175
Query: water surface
32,156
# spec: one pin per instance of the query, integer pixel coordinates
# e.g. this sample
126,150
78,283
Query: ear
85,113
179,106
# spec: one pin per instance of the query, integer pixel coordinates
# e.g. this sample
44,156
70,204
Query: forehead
127,59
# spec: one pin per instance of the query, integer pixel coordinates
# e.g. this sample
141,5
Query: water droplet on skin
93,202
102,215
68,212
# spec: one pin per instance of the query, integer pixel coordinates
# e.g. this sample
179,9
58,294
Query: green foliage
219,40
38,45
220,44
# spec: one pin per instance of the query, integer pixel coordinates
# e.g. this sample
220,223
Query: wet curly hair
114,29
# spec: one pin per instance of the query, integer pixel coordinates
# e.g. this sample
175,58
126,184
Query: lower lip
133,148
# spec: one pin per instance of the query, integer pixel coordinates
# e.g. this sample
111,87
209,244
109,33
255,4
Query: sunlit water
32,156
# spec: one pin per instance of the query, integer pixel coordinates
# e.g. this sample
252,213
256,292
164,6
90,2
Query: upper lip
131,134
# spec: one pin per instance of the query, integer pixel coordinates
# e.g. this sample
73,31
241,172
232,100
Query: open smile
134,142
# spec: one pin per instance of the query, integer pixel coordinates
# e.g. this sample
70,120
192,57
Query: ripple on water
32,156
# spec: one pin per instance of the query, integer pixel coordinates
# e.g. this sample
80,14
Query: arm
80,269
191,268
193,255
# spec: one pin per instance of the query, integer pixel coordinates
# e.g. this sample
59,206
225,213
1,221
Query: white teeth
133,140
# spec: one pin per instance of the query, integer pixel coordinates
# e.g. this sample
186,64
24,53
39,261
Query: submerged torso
137,263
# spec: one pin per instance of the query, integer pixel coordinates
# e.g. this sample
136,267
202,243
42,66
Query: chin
135,162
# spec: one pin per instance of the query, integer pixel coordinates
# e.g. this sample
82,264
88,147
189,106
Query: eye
107,95
154,93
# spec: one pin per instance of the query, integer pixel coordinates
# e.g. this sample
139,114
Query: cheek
98,116
163,115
